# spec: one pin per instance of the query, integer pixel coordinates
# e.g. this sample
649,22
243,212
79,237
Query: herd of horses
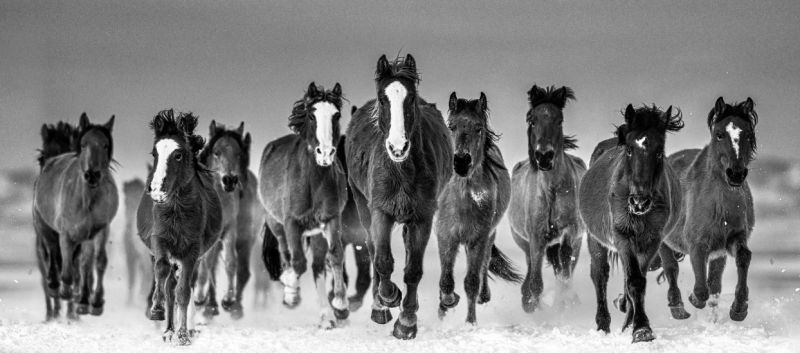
403,164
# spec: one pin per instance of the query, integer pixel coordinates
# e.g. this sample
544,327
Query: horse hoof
621,304
696,302
227,304
484,299
403,332
52,292
679,313
292,305
157,315
739,315
530,306
381,316
448,301
355,303
82,309
184,339
65,292
394,301
236,310
643,335
341,314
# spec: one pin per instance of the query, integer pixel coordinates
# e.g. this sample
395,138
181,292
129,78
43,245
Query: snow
773,324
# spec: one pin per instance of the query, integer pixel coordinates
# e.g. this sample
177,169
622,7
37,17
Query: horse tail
271,254
501,265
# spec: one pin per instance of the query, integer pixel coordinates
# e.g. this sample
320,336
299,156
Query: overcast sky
248,61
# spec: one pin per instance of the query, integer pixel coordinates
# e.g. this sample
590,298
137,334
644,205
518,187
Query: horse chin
733,183
638,212
462,171
229,188
398,159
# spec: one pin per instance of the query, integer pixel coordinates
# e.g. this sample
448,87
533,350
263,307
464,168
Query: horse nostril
235,180
318,150
333,151
729,172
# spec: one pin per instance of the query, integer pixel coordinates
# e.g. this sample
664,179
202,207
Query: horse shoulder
603,147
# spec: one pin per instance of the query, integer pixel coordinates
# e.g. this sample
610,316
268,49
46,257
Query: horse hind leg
448,250
600,269
671,269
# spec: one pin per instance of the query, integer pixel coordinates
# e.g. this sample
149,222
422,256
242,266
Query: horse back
251,212
595,195
609,145
439,149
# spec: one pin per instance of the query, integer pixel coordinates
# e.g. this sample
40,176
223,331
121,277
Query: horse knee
472,284
299,264
412,276
743,256
637,284
384,265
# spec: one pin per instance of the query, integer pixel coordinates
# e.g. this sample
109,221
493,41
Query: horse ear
312,90
666,117
411,63
110,123
44,132
719,106
383,66
240,129
353,110
748,105
630,113
212,129
84,122
482,101
453,103
337,89
247,141
149,168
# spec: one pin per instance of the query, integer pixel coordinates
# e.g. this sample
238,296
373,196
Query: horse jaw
396,93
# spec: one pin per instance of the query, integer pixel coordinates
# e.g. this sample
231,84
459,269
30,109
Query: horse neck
707,171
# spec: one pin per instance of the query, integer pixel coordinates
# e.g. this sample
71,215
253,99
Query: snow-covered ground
773,323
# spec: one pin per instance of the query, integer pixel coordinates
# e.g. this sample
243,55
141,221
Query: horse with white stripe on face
399,159
179,219
304,190
718,214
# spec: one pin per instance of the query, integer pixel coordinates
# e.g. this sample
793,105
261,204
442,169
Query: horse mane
220,132
472,106
51,132
737,109
167,124
555,96
649,117
297,120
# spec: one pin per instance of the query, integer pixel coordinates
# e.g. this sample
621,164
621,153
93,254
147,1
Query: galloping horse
544,214
75,199
179,219
304,190
629,199
472,204
137,256
718,211
399,158
227,153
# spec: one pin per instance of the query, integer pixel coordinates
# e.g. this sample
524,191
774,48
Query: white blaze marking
396,93
323,113
734,131
640,142
478,196
164,148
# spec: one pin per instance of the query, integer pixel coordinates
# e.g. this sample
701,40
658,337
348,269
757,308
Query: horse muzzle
229,183
544,160
462,163
640,205
93,178
736,177
398,153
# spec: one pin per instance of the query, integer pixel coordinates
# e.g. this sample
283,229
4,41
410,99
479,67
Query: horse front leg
473,281
715,269
319,249
415,236
230,260
635,286
85,276
387,295
600,269
161,270
533,285
335,258
567,255
169,298
100,263
743,256
243,249
183,298
67,261
297,264
448,250
699,257
670,266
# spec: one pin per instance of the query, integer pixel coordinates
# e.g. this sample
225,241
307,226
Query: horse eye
628,151
719,136
311,117
560,122
337,116
479,130
178,157
658,155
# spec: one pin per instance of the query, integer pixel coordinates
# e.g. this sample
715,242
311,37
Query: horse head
95,147
468,121
733,141
546,138
228,154
644,135
316,119
174,153
396,106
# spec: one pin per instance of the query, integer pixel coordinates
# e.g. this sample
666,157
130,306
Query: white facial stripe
323,113
396,93
164,148
640,142
734,131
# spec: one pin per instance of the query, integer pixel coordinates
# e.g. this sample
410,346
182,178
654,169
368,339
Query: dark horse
75,199
179,218
56,140
471,206
717,209
304,190
353,233
629,199
227,153
137,256
544,214
399,158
